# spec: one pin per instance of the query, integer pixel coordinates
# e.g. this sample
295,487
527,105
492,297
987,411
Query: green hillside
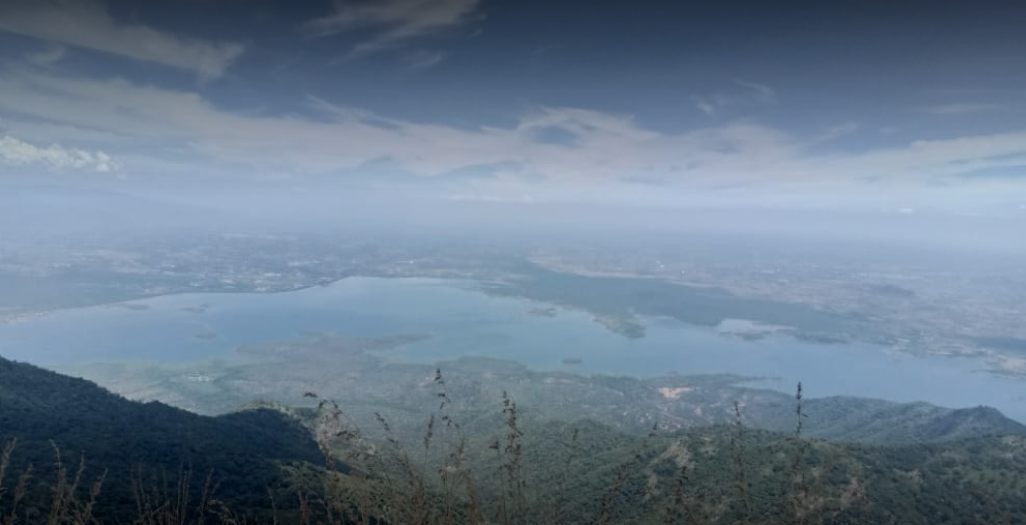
130,440
503,467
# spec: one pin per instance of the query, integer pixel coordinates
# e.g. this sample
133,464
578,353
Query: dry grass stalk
11,516
744,503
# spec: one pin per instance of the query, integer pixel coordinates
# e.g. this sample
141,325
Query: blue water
462,321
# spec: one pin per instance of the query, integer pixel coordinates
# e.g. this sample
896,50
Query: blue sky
866,105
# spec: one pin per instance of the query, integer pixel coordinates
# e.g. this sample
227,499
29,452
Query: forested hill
561,471
879,422
132,440
692,477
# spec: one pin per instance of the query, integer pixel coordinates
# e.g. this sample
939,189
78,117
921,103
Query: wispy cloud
397,21
87,24
745,94
957,108
606,148
47,57
706,105
424,59
838,131
14,151
762,92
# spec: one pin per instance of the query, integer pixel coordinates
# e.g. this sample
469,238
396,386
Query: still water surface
463,321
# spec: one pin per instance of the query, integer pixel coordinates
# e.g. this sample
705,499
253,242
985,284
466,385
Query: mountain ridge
45,411
261,451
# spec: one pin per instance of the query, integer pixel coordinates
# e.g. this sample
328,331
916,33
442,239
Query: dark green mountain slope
243,450
583,472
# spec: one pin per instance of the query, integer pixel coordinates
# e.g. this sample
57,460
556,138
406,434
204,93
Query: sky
891,107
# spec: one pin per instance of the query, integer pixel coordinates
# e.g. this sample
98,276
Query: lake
463,321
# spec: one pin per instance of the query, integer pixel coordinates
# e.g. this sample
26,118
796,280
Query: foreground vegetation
116,461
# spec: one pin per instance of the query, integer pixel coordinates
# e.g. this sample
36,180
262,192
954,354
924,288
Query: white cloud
396,20
956,108
705,106
606,148
943,157
19,153
523,198
47,57
424,59
751,94
87,24
762,92
838,131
